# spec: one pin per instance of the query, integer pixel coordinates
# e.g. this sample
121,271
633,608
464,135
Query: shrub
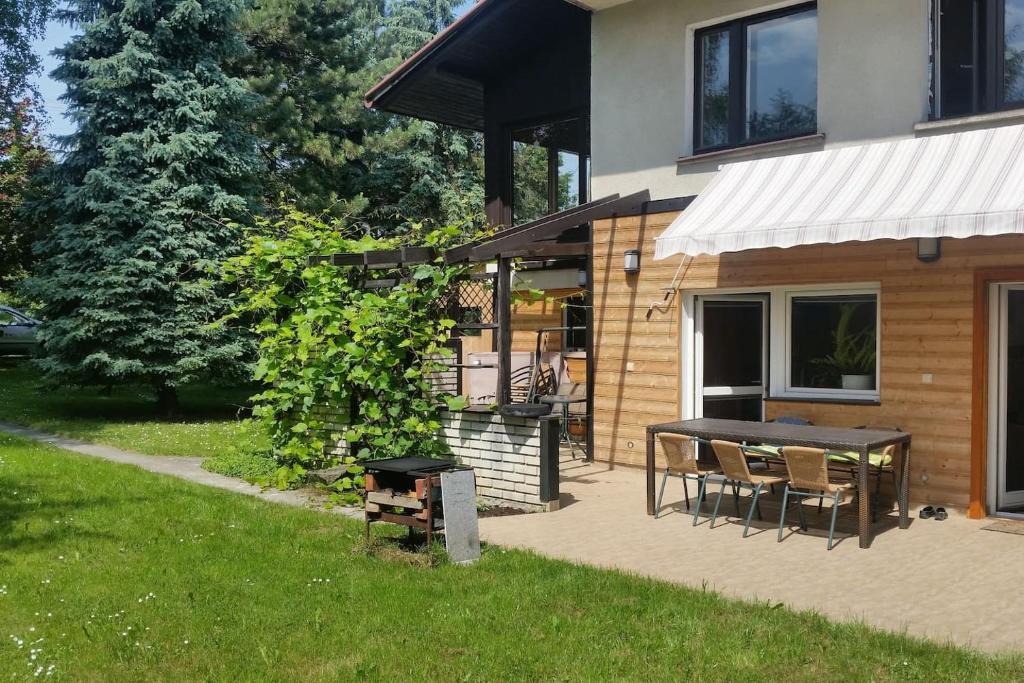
252,467
327,340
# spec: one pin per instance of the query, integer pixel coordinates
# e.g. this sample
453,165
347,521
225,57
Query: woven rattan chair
681,461
882,463
737,472
808,470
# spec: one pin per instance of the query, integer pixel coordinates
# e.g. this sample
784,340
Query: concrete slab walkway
948,581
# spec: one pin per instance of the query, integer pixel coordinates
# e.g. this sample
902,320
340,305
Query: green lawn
212,422
111,573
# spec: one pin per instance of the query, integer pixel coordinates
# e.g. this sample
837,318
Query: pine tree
159,159
305,61
417,169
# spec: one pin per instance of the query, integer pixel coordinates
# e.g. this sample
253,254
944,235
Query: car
17,332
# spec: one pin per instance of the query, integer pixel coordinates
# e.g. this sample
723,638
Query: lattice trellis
470,303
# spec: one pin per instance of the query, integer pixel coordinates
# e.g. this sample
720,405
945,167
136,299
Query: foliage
250,466
305,62
786,116
854,352
22,158
415,168
159,154
530,173
214,586
326,341
213,420
21,22
311,62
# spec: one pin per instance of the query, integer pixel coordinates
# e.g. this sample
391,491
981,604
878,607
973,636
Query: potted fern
854,355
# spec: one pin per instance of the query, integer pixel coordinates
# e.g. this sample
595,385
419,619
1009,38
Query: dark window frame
737,29
582,190
577,302
989,94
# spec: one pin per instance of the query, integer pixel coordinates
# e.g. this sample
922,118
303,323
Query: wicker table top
778,434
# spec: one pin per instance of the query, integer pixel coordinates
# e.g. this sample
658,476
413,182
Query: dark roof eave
374,95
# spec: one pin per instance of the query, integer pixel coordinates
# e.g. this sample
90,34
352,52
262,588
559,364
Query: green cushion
853,457
849,457
768,451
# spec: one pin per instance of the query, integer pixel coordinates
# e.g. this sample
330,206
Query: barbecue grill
406,491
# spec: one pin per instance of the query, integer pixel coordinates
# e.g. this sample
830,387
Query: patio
926,581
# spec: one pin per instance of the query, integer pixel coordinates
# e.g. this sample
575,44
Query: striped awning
956,185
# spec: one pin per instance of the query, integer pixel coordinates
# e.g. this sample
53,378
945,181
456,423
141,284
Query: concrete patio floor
947,581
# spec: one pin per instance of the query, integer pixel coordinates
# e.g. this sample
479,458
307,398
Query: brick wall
513,456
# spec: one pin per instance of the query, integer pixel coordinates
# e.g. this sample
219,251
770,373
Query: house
824,218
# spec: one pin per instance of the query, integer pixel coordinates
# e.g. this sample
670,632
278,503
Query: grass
213,420
112,573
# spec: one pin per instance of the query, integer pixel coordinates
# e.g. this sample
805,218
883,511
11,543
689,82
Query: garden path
182,467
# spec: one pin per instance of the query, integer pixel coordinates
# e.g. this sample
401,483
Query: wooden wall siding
528,317
926,328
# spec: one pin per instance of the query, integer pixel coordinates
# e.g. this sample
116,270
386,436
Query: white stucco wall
872,84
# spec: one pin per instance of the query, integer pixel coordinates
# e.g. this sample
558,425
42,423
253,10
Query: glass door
731,356
1010,400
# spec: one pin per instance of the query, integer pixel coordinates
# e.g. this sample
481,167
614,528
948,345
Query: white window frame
779,343
782,361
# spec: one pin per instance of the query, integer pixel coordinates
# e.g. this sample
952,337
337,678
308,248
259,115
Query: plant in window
852,362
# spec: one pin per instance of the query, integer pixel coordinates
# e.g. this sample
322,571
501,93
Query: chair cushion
853,457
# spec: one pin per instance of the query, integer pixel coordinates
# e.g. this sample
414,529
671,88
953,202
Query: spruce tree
159,161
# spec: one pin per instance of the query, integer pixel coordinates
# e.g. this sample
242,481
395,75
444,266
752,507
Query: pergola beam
530,234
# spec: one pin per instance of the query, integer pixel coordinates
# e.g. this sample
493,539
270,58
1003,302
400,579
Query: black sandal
940,514
927,512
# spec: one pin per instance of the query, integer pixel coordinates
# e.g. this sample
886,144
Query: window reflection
782,76
546,168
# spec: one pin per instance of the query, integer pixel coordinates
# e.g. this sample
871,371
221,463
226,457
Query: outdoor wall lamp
631,261
581,278
929,249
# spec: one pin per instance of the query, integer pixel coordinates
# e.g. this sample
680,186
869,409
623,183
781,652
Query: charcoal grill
406,491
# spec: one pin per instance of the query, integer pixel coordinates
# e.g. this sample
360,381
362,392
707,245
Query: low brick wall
515,458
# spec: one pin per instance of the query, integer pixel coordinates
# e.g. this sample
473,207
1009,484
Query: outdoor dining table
860,441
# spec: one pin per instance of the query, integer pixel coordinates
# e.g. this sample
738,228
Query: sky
58,34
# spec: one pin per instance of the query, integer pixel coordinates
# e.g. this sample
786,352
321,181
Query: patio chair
681,462
882,462
733,459
808,470
767,452
527,385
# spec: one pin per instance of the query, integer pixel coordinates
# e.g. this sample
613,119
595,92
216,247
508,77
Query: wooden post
591,361
503,312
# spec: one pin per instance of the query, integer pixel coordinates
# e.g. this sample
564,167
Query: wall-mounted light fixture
581,278
631,261
929,249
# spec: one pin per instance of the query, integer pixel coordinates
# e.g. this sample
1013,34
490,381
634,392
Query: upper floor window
549,173
756,79
979,56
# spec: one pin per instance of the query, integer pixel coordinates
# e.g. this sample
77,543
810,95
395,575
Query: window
832,342
978,56
574,314
547,168
756,79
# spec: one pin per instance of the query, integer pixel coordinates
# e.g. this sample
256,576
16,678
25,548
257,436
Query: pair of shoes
928,512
